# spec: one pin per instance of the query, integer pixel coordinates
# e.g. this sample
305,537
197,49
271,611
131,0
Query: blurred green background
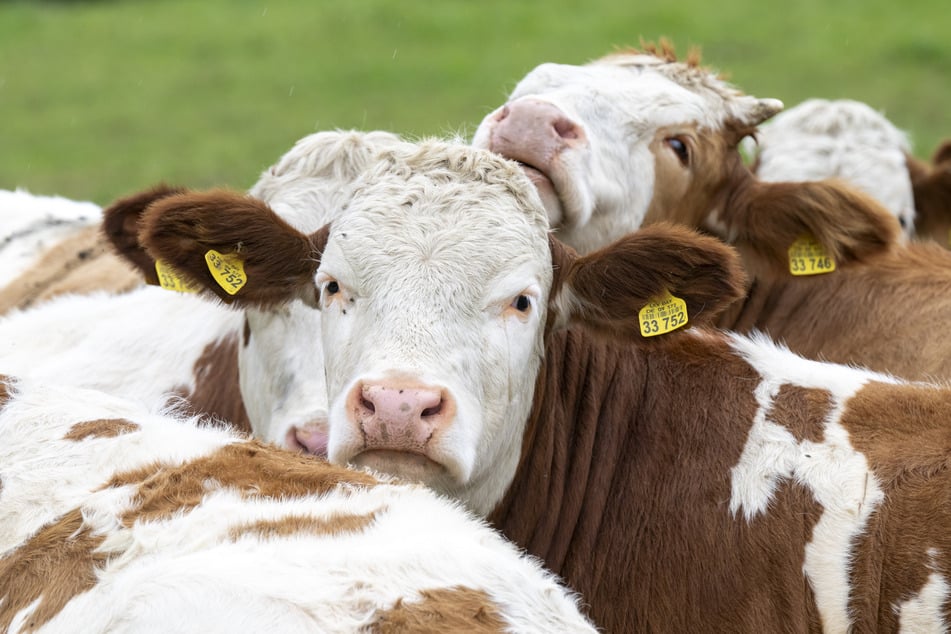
101,98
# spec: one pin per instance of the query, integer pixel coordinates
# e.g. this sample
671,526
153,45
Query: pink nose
399,416
534,132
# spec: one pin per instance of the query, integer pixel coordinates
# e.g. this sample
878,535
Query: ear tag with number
227,269
172,281
662,315
808,257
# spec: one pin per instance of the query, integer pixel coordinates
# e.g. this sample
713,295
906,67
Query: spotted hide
115,519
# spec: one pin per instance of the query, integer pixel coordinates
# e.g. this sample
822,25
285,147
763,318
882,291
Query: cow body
678,160
116,519
52,246
690,482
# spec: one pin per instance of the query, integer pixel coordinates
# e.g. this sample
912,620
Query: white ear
753,111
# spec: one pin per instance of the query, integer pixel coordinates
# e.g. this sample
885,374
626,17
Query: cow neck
216,393
568,459
625,476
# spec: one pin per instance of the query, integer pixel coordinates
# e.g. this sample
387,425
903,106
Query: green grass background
101,98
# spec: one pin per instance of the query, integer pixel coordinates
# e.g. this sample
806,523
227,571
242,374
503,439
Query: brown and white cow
695,481
116,519
636,138
847,139
840,138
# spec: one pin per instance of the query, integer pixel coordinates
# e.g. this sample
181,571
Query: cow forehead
638,85
455,221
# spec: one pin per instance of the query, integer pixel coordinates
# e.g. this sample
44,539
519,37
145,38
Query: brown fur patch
217,392
456,609
104,428
335,524
252,468
904,433
803,411
57,564
932,190
5,382
78,264
885,314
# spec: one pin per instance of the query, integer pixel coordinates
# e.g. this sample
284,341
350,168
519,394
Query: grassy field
101,98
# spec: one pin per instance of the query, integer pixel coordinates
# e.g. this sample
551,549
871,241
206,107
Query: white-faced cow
694,481
114,519
51,246
841,138
637,138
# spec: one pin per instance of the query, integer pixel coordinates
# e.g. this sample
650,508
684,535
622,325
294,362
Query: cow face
283,386
434,286
624,141
432,292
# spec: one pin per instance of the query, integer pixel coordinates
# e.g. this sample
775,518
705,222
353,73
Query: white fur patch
925,612
835,473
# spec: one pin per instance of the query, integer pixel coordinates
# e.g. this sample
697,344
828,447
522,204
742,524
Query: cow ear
233,246
120,225
764,219
607,289
932,191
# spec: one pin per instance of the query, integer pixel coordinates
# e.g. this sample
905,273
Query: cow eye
332,288
680,149
522,303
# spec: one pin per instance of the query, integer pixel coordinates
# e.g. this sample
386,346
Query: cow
53,246
640,137
115,518
841,138
693,480
166,344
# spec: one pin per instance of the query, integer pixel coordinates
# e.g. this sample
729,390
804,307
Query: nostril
434,410
502,113
566,129
367,404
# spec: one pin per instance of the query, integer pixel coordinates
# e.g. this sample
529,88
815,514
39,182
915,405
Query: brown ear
120,224
279,262
766,218
932,191
605,290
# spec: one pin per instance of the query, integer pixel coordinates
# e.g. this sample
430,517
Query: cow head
844,139
436,285
636,138
623,141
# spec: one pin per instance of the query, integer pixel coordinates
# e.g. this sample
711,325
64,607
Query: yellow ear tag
662,315
170,280
808,257
227,269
